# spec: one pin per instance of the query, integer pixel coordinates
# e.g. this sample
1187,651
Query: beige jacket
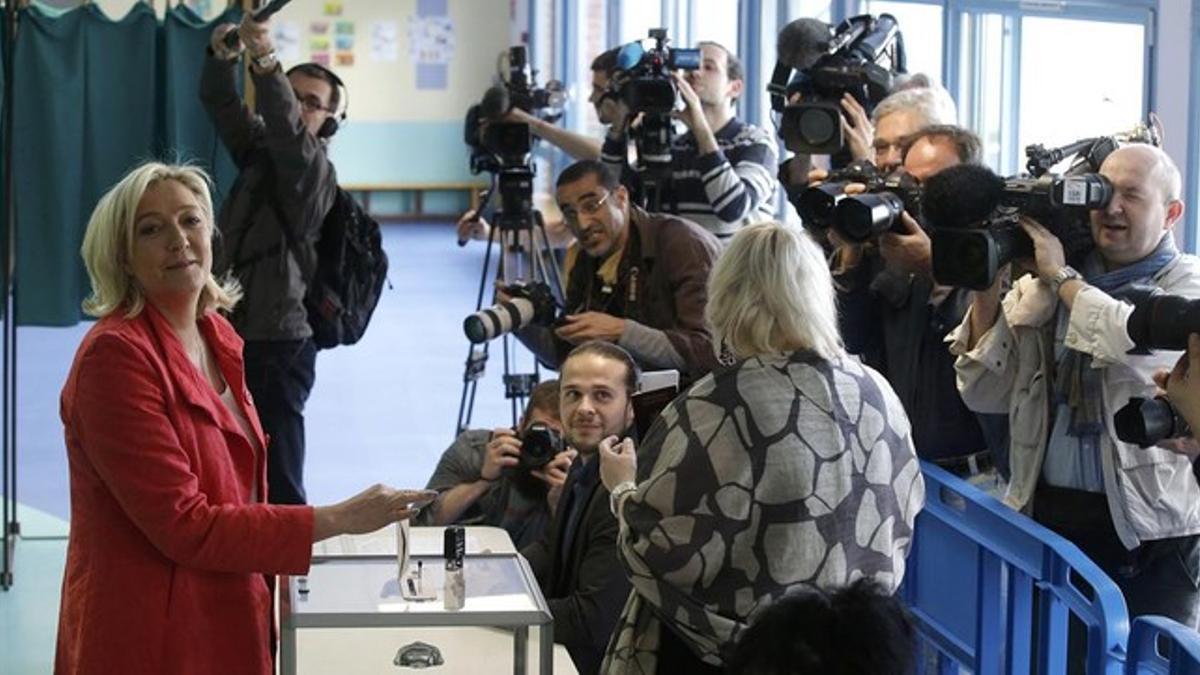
1152,493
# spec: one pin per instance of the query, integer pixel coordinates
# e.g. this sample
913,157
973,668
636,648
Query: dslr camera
529,303
539,444
860,217
863,56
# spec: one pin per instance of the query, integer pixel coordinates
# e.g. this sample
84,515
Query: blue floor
381,411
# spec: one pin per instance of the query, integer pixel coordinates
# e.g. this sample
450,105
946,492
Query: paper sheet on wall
385,41
431,39
286,36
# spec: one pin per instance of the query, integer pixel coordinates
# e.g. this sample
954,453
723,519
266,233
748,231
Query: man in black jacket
270,224
576,561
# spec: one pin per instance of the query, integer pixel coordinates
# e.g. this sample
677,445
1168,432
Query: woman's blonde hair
108,243
771,292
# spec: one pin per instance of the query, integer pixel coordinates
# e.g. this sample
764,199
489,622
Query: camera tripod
525,257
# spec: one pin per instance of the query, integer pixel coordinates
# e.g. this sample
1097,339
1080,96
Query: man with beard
575,561
480,482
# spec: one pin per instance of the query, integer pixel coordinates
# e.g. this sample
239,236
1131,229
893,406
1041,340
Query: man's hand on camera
817,176
503,450
1182,391
1048,253
472,226
579,328
256,36
856,127
911,250
217,43
692,114
554,475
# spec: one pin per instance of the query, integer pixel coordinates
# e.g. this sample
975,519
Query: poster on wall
319,43
431,43
385,41
286,36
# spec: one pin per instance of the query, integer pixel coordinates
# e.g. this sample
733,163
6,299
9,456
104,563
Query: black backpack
351,270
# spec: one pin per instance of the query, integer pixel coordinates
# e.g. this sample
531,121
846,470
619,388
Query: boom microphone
961,196
231,38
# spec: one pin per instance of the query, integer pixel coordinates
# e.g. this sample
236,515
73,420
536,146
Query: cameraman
1055,355
479,482
602,98
634,278
723,169
896,317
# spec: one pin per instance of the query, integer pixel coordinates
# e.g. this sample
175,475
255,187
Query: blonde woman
170,535
793,466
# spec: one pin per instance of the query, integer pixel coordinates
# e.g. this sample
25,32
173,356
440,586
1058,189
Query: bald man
1056,357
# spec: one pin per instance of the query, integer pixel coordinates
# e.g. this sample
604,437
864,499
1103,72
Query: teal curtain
187,130
93,98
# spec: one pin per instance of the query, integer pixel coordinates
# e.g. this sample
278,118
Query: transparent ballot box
358,595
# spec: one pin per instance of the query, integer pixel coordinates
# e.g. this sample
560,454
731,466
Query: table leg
521,650
546,648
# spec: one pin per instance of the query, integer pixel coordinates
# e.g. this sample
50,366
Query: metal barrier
1162,646
992,591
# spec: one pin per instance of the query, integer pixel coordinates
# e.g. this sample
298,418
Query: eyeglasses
310,102
588,207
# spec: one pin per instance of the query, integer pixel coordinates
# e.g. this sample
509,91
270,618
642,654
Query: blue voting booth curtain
94,97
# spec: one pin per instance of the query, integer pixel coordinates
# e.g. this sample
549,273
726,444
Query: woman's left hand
618,462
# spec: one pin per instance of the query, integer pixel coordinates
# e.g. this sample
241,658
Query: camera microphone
494,104
802,42
961,196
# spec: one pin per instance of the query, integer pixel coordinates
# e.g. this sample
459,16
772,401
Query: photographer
480,479
284,190
723,169
634,278
896,317
1055,355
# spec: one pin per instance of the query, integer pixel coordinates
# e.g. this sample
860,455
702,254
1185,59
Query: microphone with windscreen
799,45
972,238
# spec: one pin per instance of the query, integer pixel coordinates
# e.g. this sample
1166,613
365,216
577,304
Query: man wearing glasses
270,223
633,278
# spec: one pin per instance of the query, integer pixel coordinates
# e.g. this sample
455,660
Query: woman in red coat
170,533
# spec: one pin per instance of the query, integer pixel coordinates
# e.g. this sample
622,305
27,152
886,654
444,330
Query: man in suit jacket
576,561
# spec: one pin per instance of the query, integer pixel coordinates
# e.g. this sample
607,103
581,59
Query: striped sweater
721,190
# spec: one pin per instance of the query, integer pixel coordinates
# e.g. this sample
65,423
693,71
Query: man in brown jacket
634,278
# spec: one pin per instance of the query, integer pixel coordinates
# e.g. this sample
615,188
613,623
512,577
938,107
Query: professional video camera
975,214
644,82
860,58
497,144
528,303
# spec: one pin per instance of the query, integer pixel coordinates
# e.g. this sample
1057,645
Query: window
637,18
716,21
921,25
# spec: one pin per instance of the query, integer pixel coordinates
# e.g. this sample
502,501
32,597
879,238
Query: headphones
331,124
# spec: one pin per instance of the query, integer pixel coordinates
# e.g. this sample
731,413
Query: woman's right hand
367,511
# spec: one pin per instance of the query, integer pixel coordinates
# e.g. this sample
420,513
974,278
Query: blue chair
991,590
1162,646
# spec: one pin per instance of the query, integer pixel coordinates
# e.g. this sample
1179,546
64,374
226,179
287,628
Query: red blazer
166,556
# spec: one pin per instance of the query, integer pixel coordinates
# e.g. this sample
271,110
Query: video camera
495,143
529,303
644,83
850,64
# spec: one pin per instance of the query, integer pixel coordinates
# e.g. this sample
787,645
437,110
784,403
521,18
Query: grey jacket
278,159
1151,491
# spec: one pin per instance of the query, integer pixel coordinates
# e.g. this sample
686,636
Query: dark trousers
280,377
1162,576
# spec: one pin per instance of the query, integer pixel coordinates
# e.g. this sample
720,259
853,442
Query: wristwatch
266,61
1065,274
621,489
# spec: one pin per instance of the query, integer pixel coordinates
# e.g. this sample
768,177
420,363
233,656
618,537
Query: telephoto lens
1149,421
860,218
533,302
1161,321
